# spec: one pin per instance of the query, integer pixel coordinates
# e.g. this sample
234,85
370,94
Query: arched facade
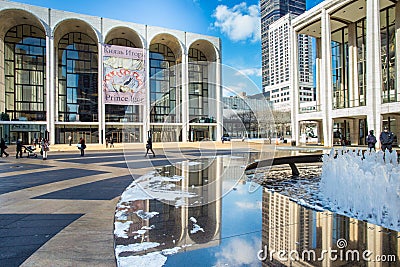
51,79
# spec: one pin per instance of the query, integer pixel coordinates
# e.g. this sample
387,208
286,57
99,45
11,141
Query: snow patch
154,259
135,247
121,228
146,215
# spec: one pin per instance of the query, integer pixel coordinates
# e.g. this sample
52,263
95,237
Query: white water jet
365,187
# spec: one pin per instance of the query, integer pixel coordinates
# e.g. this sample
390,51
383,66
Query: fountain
366,187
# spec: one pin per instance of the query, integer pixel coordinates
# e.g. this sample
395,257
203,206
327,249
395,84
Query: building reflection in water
174,226
292,228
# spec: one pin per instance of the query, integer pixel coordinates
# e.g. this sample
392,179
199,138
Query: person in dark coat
386,138
3,148
83,146
371,141
149,146
19,148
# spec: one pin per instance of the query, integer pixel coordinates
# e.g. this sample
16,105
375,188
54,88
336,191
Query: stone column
185,94
218,89
326,78
147,105
373,67
294,55
51,89
100,101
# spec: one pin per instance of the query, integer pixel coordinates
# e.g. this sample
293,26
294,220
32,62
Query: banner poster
124,76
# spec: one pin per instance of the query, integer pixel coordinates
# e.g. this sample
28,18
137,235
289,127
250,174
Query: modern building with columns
357,69
52,79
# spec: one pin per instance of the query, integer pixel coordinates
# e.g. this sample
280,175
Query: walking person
3,148
44,148
19,148
82,146
149,146
111,142
371,141
386,138
107,140
70,140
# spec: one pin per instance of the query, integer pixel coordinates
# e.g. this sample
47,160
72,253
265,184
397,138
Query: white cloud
249,205
250,72
239,252
240,22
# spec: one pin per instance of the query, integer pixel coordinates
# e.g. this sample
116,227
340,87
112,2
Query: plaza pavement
60,212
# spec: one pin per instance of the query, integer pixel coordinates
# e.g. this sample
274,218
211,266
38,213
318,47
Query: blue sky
236,22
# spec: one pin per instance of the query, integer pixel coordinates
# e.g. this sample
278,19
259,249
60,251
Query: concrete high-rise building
280,64
271,11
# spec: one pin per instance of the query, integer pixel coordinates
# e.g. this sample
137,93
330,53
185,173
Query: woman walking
149,146
45,148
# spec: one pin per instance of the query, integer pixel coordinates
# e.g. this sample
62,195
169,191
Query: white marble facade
357,69
56,24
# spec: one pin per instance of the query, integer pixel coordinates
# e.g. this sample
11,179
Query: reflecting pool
209,213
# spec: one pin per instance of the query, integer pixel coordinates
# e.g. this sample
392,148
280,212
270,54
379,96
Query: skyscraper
271,11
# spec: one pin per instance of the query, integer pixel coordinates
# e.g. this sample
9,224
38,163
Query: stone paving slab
100,190
25,233
18,182
87,240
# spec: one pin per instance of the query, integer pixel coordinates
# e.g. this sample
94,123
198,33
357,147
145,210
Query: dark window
25,73
198,86
388,53
77,78
163,84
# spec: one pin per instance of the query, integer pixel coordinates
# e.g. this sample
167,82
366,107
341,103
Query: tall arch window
122,113
361,63
25,73
121,42
198,86
340,69
77,78
388,53
163,89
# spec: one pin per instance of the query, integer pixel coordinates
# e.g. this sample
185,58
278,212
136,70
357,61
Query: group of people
109,141
43,144
386,138
44,148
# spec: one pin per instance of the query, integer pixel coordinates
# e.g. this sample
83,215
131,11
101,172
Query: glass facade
89,132
51,79
166,133
164,93
388,53
124,133
25,73
340,63
198,87
77,78
361,63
